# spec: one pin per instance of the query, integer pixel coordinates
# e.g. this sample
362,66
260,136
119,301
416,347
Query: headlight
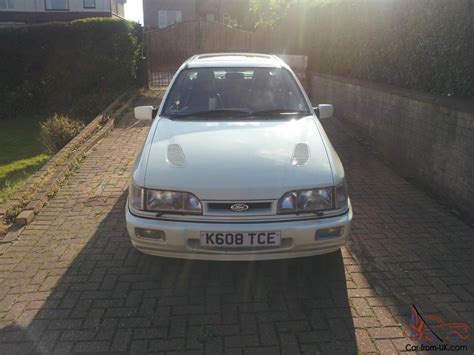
314,200
135,196
306,201
172,202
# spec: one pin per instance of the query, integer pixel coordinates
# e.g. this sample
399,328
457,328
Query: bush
58,130
54,67
424,44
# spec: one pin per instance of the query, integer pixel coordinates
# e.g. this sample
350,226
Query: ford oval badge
239,207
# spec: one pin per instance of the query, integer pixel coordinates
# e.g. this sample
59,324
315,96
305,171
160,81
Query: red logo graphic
432,328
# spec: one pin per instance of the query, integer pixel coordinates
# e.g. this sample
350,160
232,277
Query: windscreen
198,90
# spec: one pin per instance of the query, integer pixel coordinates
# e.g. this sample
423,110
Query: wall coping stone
454,103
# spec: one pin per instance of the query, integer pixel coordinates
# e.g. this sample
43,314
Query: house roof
234,60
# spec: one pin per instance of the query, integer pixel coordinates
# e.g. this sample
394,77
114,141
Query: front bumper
182,238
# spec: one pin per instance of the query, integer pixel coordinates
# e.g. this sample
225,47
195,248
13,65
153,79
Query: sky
134,10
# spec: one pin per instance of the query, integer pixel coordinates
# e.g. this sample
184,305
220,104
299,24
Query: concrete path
73,283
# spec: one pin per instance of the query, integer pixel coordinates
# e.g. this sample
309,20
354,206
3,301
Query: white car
236,166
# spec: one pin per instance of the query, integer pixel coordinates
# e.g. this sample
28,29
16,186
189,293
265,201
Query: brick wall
427,138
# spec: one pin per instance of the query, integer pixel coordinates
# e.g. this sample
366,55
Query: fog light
329,233
150,234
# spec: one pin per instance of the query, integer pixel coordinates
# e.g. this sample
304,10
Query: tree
270,12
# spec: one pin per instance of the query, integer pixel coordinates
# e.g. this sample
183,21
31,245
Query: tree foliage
269,12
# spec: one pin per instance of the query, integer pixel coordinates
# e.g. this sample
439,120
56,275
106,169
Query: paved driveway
72,281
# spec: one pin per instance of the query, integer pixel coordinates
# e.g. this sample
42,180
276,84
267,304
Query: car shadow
405,246
114,299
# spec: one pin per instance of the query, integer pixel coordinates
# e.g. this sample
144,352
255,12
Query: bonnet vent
300,155
176,156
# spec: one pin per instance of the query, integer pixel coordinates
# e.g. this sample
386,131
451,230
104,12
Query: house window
56,4
210,17
7,4
89,4
168,18
226,18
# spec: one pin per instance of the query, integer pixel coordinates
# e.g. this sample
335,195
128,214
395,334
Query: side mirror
324,110
144,113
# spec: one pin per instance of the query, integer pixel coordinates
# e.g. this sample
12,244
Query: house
163,13
35,11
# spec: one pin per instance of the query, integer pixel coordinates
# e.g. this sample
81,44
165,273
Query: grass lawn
21,153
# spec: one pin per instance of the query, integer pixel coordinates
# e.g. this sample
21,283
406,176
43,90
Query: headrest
205,75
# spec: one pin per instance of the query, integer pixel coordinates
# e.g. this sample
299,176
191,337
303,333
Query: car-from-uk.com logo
430,332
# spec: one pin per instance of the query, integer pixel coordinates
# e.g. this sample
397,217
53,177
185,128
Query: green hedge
419,44
73,68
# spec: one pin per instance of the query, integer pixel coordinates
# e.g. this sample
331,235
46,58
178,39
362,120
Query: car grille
252,208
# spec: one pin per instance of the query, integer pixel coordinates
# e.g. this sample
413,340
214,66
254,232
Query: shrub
74,68
58,130
425,45
12,213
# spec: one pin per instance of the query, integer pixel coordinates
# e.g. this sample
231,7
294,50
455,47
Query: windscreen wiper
210,113
278,111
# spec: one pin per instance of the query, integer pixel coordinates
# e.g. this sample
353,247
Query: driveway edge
44,185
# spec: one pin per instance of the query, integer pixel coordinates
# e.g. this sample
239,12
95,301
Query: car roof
234,60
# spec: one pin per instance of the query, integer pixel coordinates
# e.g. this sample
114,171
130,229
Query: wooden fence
168,48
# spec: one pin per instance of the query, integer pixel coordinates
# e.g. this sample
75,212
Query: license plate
240,239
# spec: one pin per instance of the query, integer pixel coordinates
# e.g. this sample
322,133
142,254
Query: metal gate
168,48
